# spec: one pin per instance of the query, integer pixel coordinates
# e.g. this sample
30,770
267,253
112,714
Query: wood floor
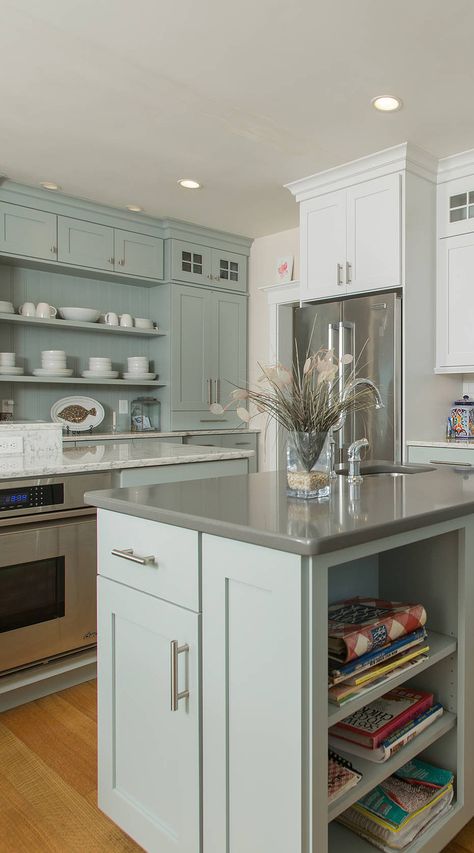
48,781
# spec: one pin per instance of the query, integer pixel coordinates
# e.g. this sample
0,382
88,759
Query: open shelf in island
441,647
80,326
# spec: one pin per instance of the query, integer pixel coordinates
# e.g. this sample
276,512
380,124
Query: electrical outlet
10,445
123,407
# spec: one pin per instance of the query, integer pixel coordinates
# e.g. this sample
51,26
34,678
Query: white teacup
143,323
111,318
6,307
28,309
45,311
126,320
7,359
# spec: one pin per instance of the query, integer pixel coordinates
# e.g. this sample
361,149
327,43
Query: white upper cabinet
374,239
455,305
351,239
323,245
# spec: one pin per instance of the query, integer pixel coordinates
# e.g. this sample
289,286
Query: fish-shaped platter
78,413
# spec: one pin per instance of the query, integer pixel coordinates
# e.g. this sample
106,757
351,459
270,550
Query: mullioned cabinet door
190,262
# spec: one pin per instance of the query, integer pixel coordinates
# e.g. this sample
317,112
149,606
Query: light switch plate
123,407
11,445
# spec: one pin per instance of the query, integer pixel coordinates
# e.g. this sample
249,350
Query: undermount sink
386,469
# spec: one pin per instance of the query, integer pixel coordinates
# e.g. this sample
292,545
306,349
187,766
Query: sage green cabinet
85,244
138,254
25,231
197,264
209,354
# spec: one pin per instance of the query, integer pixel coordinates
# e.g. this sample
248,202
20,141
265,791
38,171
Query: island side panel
252,698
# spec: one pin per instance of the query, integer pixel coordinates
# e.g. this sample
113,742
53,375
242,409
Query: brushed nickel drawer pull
127,554
176,650
453,464
339,275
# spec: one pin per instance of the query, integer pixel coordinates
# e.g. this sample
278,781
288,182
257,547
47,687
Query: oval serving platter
78,413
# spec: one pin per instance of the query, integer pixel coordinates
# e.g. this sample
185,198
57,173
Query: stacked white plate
7,365
138,369
53,364
100,368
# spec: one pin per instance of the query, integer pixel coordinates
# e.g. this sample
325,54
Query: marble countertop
456,443
113,456
255,508
120,436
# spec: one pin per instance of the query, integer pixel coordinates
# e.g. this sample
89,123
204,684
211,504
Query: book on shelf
373,723
358,625
342,694
378,670
395,741
342,672
341,776
403,806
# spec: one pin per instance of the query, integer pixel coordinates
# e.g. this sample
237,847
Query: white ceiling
117,99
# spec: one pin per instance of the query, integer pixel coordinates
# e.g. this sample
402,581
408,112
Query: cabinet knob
209,276
54,249
111,260
122,262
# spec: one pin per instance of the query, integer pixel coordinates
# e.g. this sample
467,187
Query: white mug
7,308
143,323
45,311
111,318
126,320
28,309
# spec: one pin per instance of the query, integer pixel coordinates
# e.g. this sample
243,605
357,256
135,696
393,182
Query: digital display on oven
14,499
31,497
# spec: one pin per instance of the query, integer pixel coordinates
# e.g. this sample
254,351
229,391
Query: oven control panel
31,497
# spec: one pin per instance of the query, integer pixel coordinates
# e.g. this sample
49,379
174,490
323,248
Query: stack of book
371,641
378,730
402,807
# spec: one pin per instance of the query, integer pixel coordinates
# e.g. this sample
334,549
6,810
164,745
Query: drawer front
204,440
245,441
454,455
174,574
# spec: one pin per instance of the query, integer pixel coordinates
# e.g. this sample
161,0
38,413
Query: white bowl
53,353
83,315
53,359
138,359
7,359
100,374
53,362
94,359
143,323
143,369
140,376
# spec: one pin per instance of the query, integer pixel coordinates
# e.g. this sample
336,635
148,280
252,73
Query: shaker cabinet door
323,246
191,349
455,303
149,777
138,254
230,349
374,238
29,232
85,244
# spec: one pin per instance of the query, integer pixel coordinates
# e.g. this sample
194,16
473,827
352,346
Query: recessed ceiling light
386,103
49,185
134,207
189,184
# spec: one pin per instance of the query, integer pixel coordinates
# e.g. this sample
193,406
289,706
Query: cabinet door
24,231
230,346
323,245
252,771
138,254
229,270
374,239
149,780
191,349
455,303
246,440
190,262
85,244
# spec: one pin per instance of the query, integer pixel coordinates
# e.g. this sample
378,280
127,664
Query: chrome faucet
350,387
353,456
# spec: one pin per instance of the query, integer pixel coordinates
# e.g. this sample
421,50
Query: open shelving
80,326
74,380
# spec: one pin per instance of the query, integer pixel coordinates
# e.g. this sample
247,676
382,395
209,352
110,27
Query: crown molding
404,157
456,166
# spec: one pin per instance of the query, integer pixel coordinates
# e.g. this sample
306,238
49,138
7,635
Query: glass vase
308,465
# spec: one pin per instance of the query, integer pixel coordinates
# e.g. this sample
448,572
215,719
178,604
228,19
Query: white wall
263,258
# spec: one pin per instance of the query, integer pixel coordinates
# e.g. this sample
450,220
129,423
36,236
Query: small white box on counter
30,439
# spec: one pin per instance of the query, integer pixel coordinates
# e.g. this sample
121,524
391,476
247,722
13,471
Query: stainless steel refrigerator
369,328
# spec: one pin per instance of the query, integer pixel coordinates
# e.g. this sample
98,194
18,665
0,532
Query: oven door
47,590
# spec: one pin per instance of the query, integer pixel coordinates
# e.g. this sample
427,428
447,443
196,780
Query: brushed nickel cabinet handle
217,385
111,260
176,696
348,273
339,281
54,249
122,262
127,554
453,464
209,391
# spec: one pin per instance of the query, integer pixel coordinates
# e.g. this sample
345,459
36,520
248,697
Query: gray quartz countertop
255,508
113,456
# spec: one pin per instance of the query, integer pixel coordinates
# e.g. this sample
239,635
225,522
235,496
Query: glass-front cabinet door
190,262
229,270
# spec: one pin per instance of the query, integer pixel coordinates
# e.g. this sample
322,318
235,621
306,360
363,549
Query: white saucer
100,374
53,371
11,371
139,377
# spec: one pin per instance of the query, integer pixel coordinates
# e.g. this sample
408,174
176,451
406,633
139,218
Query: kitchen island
213,707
